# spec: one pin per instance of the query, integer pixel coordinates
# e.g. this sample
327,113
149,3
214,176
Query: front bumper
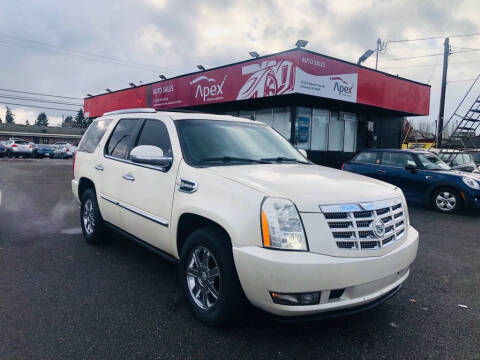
472,199
75,190
364,279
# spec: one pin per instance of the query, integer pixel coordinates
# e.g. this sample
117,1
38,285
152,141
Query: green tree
79,119
27,122
9,116
42,119
68,121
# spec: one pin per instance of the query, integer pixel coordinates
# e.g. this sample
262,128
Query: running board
144,244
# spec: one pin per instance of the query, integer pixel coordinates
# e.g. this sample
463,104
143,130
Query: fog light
311,298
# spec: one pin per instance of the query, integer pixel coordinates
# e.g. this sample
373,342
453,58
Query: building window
320,121
281,121
350,142
45,140
336,132
323,130
302,128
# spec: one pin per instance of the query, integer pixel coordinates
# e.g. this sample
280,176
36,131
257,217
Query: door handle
381,171
428,177
99,167
128,177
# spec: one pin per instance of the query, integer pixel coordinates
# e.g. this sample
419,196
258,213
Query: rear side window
121,138
367,157
94,135
155,133
397,159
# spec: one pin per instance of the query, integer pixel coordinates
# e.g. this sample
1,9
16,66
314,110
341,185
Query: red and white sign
295,71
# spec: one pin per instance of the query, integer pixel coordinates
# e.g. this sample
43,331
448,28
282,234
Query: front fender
438,185
233,206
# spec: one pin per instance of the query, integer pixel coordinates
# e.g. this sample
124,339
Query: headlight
405,206
281,225
471,183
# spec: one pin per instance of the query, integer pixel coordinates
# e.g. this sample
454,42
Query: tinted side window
121,138
155,133
397,159
367,157
94,135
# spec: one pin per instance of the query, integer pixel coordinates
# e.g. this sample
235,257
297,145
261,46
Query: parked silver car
17,148
64,151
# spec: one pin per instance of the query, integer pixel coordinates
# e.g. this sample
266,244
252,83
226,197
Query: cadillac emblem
378,228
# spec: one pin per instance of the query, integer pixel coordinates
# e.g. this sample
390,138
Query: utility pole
379,47
446,52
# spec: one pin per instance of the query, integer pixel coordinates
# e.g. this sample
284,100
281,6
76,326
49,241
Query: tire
94,229
447,201
212,245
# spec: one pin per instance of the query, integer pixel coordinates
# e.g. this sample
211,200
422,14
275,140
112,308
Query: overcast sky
153,37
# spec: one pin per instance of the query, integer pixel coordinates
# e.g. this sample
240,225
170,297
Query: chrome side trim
158,168
370,206
136,211
187,186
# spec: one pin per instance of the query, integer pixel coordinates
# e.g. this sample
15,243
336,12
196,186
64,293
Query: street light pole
379,47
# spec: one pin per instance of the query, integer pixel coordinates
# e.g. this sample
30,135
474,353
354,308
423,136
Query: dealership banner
295,71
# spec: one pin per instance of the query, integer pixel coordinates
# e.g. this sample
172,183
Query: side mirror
150,155
411,167
303,152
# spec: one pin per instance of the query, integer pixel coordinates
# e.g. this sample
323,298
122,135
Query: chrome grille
352,224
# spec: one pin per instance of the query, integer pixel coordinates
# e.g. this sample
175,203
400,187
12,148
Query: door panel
148,192
109,180
111,167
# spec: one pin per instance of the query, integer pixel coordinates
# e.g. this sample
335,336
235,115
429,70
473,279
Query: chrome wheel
88,217
446,201
203,277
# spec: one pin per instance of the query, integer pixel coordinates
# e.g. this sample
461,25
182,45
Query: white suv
245,214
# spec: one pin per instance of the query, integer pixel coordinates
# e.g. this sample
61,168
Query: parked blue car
44,151
3,150
422,176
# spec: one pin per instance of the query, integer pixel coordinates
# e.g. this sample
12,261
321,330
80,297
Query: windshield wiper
231,159
284,159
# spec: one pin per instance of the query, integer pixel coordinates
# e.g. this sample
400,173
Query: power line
414,57
38,45
38,107
429,65
461,80
429,55
34,93
38,100
433,38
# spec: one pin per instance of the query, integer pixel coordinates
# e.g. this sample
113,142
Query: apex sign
208,88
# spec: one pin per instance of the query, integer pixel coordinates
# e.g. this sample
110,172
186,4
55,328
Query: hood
473,175
308,186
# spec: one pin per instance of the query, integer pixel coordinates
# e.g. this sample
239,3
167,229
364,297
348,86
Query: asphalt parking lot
63,299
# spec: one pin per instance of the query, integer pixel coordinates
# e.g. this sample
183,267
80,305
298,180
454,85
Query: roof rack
129,111
149,110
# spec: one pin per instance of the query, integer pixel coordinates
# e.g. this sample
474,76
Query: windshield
432,162
217,142
476,157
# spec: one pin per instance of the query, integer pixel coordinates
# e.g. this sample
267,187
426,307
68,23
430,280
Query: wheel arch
189,222
444,185
84,184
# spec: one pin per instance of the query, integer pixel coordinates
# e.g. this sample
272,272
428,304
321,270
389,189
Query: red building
327,106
